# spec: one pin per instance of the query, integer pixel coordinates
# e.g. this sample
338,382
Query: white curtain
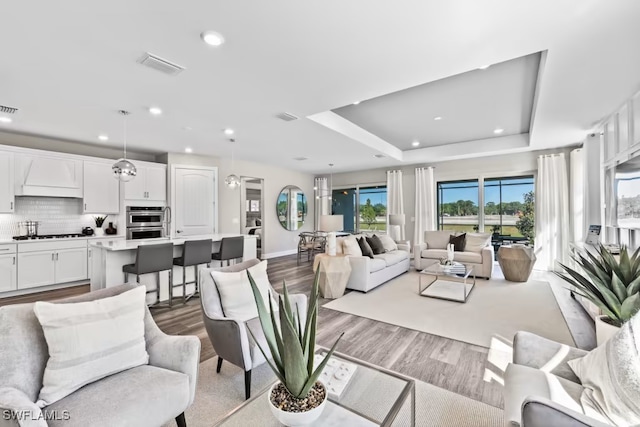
323,199
425,216
577,188
395,203
553,232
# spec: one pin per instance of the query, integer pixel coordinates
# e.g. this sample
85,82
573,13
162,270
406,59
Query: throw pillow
364,247
611,376
258,222
388,243
350,247
90,340
475,242
236,296
458,242
376,245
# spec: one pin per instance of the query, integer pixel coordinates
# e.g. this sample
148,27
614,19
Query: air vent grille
160,64
287,117
8,110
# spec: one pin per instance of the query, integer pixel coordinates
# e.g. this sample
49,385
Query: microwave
136,233
145,216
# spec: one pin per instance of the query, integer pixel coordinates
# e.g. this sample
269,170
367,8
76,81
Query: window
458,206
505,203
363,208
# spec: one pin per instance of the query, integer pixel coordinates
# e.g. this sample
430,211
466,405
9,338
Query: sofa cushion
434,253
458,242
364,247
351,247
388,243
90,340
438,239
139,397
392,258
477,241
376,244
471,257
377,264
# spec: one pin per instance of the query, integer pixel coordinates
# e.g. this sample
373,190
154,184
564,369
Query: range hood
48,177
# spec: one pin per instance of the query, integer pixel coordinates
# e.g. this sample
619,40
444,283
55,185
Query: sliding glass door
505,203
364,208
458,206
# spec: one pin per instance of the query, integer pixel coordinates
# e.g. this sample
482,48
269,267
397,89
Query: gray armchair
230,337
540,389
147,395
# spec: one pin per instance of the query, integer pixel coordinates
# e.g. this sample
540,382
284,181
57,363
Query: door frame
243,216
172,194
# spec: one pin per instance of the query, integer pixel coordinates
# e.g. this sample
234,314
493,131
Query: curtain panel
395,203
425,213
577,188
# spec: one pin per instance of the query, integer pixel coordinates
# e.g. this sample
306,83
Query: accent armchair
230,337
147,395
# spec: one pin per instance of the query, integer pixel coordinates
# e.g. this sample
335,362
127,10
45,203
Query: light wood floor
452,365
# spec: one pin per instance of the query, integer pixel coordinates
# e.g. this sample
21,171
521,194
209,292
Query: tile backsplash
56,215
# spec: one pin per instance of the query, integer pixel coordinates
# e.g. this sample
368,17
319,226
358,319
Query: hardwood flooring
453,365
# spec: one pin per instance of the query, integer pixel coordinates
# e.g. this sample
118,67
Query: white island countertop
127,245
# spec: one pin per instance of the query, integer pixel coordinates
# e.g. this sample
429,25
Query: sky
510,193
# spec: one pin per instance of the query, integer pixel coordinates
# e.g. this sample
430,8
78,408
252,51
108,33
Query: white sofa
367,273
435,248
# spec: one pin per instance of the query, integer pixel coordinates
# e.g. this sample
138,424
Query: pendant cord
125,136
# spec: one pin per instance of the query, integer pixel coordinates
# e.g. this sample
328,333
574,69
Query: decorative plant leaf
634,287
630,307
619,289
313,301
294,362
311,348
265,321
299,325
277,333
271,365
314,376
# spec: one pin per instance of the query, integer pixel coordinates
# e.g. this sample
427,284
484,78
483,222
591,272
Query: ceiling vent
160,64
379,156
287,117
8,110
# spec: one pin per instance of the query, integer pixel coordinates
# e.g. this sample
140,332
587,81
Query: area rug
219,394
495,308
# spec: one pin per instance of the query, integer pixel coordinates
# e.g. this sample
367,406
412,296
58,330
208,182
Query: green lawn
376,226
468,228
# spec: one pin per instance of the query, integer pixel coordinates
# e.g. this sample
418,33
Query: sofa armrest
17,410
176,353
549,356
404,246
360,269
417,255
540,412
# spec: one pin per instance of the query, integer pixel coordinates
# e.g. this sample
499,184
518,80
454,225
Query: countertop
61,239
127,245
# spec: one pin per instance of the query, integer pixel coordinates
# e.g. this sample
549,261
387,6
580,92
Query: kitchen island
108,257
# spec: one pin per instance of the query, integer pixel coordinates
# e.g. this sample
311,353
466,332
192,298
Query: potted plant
298,398
99,221
613,286
495,230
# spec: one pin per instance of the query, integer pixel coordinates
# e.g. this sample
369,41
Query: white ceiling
470,106
69,66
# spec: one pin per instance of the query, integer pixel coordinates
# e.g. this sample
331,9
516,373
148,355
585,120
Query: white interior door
194,210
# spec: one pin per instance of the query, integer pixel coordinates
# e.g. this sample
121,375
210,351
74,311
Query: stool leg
158,289
170,287
184,284
195,277
126,277
137,279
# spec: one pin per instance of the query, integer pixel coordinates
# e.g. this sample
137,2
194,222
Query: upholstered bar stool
194,253
230,248
152,259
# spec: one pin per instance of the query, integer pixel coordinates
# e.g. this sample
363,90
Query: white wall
277,241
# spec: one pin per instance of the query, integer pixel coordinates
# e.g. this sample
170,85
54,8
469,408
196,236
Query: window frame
357,188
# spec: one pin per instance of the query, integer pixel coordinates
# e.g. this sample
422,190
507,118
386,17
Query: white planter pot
604,330
293,419
99,232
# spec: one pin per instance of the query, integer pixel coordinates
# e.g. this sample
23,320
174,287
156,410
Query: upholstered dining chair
230,337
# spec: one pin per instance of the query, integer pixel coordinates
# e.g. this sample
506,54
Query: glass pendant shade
124,170
232,181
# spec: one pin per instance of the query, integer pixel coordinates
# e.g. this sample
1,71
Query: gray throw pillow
364,247
376,244
458,242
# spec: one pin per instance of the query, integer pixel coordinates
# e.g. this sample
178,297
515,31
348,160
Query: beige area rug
218,394
495,308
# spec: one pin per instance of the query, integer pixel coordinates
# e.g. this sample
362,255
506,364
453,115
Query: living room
319,214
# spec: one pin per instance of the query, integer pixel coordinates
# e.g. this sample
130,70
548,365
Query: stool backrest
232,247
153,258
197,252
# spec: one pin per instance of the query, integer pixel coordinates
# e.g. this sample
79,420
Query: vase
111,229
450,252
604,330
293,419
99,232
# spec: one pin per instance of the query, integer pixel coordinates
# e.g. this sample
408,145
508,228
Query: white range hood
48,176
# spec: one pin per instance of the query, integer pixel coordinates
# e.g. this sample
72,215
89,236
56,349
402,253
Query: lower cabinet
36,269
71,265
8,273
42,264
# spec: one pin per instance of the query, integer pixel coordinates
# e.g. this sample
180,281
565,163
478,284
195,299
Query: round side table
334,274
516,262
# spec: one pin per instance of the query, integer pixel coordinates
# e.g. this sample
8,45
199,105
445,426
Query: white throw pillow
610,375
236,296
90,340
387,242
476,242
350,247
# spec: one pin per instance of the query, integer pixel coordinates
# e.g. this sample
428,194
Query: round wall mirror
291,207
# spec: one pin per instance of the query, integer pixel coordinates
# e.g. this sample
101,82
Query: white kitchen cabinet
8,273
150,184
101,189
49,176
36,269
7,198
51,262
71,265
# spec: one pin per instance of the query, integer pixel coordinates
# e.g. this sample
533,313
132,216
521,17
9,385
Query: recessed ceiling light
356,103
155,111
188,150
437,118
103,138
5,119
498,130
187,128
379,156
229,131
484,67
212,38
415,143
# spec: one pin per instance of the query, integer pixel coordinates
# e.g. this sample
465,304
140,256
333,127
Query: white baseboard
279,254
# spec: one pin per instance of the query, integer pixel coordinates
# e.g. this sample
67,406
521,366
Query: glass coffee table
374,396
443,287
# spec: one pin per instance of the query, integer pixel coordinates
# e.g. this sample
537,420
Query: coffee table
373,397
442,287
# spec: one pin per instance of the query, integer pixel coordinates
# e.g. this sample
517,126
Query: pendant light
232,181
123,169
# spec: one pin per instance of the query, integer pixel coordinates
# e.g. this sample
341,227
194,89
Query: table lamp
331,224
397,222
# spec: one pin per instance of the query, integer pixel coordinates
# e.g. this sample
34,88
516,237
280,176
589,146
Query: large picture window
458,206
364,208
505,203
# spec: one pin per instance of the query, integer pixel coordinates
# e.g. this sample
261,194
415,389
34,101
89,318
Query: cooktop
48,236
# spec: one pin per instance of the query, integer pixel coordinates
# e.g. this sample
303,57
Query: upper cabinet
41,175
101,189
7,199
149,184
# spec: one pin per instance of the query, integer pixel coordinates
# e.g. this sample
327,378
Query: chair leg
126,277
247,385
184,284
219,365
181,421
138,278
170,287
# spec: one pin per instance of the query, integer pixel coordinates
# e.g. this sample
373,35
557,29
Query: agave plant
290,340
611,285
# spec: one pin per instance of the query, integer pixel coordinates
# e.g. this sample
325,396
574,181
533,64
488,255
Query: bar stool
194,253
152,259
230,248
